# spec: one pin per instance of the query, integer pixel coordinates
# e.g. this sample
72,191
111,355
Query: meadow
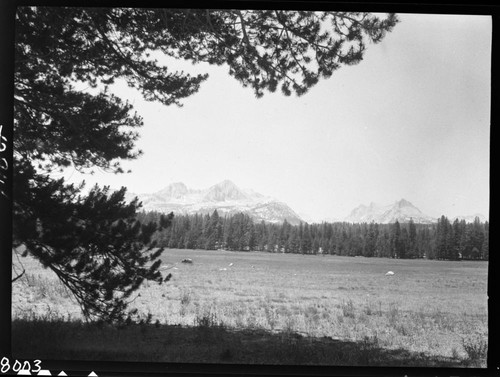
253,307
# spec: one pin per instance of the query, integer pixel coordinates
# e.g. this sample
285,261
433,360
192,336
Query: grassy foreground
273,309
205,344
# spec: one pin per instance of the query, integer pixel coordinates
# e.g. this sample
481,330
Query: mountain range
401,211
225,197
228,199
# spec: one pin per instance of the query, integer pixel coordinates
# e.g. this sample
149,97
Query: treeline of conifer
442,240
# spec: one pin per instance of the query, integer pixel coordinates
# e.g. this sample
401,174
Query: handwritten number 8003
25,366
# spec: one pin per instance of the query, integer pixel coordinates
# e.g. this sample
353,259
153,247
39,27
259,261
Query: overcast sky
412,121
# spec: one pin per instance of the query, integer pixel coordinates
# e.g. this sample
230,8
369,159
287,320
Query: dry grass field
247,307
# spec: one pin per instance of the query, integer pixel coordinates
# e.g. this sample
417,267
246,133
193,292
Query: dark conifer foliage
398,240
93,242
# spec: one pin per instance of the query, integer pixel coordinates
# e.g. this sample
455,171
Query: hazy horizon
305,215
411,120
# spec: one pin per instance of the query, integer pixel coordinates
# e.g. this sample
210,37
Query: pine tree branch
117,51
243,28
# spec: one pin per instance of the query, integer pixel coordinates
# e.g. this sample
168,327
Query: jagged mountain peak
224,191
177,186
174,190
226,183
404,203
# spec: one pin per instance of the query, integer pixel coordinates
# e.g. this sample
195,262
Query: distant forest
442,240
